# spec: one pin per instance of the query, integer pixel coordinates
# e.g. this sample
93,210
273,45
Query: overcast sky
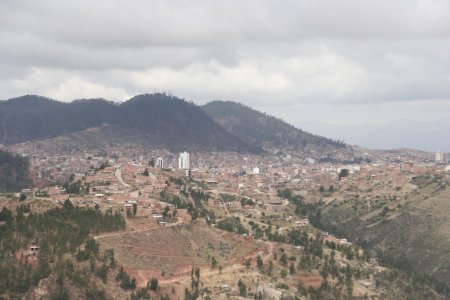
336,62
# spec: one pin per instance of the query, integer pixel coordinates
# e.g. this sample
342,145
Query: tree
153,284
102,272
151,162
248,262
23,197
6,214
270,268
259,262
91,247
242,288
146,173
213,262
343,173
283,259
134,209
166,211
133,283
291,268
385,210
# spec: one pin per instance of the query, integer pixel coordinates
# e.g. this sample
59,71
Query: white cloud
86,90
371,59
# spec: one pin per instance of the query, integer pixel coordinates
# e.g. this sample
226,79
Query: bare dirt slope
172,252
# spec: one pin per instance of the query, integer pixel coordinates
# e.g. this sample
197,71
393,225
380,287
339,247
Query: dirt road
118,174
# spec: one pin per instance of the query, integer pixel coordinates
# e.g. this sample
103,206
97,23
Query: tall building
256,170
183,161
159,162
439,156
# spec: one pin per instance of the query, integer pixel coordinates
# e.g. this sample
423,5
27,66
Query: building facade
183,161
159,162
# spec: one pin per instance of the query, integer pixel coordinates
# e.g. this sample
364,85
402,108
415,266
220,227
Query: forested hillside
14,172
158,120
69,261
262,129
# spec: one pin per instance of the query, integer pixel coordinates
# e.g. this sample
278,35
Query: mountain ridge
153,119
156,120
262,129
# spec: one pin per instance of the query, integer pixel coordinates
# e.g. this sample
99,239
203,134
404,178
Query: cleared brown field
310,280
173,251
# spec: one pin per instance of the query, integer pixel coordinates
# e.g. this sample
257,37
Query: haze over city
343,69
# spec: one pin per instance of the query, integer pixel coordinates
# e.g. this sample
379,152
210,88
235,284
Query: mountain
151,119
33,117
14,172
261,129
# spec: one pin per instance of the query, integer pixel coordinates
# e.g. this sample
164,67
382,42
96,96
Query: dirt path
270,254
118,174
136,231
204,273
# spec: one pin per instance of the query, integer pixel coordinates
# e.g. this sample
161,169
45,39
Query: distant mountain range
261,129
426,136
155,120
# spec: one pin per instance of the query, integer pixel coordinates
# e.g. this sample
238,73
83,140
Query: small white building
159,162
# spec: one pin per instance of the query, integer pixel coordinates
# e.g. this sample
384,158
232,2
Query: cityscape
224,150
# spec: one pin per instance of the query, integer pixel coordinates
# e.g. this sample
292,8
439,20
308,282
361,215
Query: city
266,201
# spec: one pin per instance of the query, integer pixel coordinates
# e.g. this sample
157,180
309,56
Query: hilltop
263,130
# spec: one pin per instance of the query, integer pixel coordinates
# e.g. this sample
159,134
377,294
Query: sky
334,62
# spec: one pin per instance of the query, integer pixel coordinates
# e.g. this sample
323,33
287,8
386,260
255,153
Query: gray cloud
323,60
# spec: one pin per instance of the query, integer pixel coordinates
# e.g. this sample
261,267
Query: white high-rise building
159,162
439,156
183,161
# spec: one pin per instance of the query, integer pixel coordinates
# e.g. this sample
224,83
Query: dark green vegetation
14,172
67,257
261,129
232,224
158,120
